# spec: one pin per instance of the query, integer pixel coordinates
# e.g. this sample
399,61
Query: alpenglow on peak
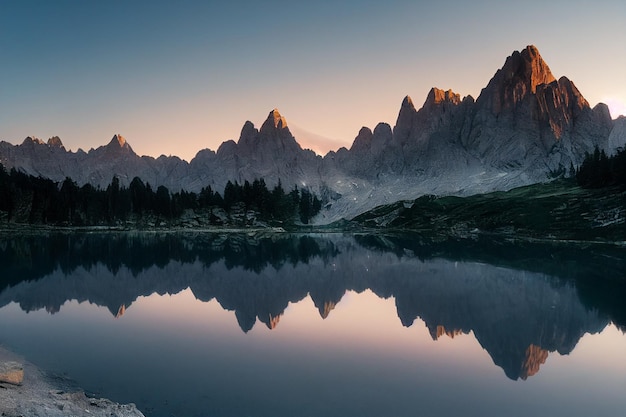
276,119
437,96
520,76
523,128
119,139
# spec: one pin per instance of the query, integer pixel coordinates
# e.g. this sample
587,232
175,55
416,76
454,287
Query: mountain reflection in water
521,301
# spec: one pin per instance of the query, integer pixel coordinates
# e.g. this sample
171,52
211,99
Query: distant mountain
526,126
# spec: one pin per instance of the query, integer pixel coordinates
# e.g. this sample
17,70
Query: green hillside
559,210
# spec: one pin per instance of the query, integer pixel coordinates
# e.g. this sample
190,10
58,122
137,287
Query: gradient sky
174,77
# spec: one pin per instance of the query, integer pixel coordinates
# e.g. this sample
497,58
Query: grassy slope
557,210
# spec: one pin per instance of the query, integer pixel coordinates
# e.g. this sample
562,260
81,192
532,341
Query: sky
175,77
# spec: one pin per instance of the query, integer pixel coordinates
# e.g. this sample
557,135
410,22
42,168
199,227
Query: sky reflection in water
440,335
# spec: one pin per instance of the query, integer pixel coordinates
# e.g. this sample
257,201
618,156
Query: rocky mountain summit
526,126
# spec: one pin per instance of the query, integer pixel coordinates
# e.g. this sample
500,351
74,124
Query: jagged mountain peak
32,140
326,309
520,76
412,124
572,97
228,148
248,126
275,120
55,141
405,119
363,141
524,126
365,131
263,148
535,357
437,96
532,64
118,145
118,141
248,134
407,104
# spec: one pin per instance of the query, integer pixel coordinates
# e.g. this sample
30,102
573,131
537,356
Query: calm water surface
321,325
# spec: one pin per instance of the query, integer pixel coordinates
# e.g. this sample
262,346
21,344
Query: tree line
37,200
599,170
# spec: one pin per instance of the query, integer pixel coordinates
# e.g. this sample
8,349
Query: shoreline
23,229
40,395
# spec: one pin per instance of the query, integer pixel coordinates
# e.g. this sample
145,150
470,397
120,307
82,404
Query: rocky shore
26,391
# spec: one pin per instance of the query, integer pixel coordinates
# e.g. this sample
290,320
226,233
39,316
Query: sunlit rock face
272,322
527,119
55,141
535,357
526,126
121,312
326,309
11,373
517,79
440,331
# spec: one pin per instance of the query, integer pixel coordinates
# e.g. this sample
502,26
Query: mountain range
526,126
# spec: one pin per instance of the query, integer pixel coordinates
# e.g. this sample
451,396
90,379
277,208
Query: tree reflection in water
520,300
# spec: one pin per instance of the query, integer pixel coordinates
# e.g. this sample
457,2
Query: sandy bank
39,395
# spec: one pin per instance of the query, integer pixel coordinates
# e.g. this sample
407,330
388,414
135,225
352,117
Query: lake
204,324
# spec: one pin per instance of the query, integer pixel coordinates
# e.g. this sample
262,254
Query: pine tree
68,200
139,198
163,202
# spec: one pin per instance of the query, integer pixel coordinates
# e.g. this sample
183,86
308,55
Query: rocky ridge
526,126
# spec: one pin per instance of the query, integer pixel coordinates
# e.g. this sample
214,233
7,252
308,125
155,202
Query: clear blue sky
175,77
